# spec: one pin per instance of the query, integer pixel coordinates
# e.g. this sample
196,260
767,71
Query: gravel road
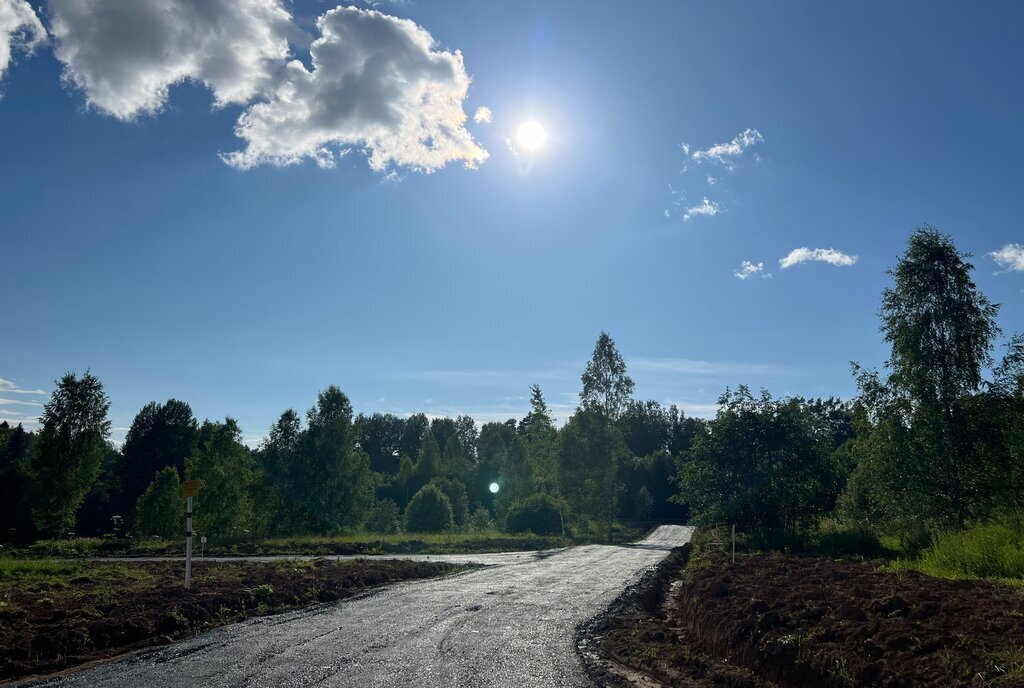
510,624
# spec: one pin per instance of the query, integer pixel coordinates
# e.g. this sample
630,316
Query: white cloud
126,55
749,269
8,386
708,208
377,83
482,115
1010,257
823,255
712,180
685,147
19,28
19,402
659,367
722,152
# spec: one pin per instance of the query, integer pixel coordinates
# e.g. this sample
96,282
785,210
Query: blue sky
136,245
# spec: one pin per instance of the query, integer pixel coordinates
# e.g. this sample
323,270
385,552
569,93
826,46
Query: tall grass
994,550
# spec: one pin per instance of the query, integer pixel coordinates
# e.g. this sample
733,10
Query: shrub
456,492
384,517
429,511
480,519
537,513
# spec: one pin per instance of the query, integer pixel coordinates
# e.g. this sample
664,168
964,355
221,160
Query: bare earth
510,624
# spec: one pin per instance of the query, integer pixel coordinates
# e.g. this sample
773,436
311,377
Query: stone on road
510,624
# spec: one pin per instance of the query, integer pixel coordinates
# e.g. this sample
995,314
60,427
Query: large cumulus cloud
377,83
125,54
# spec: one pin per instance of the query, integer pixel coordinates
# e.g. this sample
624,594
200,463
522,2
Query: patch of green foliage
993,550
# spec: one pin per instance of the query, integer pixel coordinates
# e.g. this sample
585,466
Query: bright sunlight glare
531,135
494,488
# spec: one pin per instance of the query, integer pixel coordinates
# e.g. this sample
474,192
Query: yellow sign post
189,489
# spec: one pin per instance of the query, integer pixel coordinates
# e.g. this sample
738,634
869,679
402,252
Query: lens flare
494,488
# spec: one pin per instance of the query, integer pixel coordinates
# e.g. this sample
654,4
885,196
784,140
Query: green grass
993,550
41,570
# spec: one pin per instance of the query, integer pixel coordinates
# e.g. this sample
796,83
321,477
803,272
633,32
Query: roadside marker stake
189,489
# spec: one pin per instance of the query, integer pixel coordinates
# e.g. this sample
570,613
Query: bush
429,511
384,517
480,519
537,513
837,538
455,490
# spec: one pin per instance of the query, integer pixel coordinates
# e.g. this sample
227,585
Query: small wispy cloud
725,153
482,115
707,208
712,180
1010,258
749,269
821,255
689,366
8,387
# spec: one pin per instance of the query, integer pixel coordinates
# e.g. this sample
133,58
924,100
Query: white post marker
189,489
188,543
202,546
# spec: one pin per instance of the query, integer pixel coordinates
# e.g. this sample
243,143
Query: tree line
933,441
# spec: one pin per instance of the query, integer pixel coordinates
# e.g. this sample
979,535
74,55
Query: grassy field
352,543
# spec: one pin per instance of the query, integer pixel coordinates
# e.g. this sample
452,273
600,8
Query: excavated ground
782,620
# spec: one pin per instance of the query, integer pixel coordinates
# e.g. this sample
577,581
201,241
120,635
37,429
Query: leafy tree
339,487
538,513
224,466
67,454
160,510
428,465
607,388
645,427
940,326
918,451
429,511
465,430
284,469
415,428
384,517
765,465
455,463
379,435
590,451
515,478
160,435
15,485
492,444
643,503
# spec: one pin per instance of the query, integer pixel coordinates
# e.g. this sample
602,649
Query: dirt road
510,624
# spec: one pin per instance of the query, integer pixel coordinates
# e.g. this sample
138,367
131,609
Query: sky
238,203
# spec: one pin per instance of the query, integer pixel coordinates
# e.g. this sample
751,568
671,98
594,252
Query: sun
531,135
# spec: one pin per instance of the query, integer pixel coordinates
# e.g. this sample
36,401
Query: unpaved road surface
510,624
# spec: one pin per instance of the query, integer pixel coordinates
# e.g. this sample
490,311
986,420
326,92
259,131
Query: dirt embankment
107,609
779,620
